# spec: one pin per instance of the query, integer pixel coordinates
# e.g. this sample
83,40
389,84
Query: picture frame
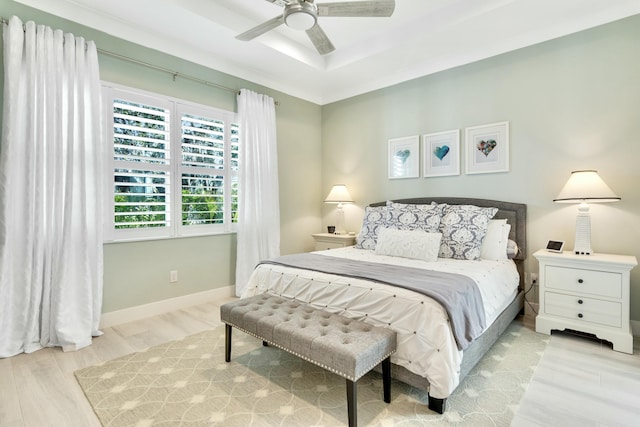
404,157
487,148
441,153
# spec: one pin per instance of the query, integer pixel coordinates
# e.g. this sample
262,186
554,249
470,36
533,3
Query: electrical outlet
534,278
173,276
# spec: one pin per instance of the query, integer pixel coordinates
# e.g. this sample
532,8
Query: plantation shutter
141,155
203,165
175,167
235,147
209,163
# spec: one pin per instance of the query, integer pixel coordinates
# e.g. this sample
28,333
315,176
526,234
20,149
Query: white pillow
494,244
414,244
512,249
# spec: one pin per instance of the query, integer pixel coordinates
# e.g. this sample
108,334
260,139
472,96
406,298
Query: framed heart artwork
404,157
487,148
441,153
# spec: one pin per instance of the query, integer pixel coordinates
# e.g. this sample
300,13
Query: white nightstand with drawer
326,241
586,293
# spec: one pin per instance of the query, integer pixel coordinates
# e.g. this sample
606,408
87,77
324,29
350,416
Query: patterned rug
187,383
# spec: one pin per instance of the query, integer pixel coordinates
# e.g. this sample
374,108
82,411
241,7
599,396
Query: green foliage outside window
142,214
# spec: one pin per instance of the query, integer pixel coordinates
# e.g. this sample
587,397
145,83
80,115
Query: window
174,165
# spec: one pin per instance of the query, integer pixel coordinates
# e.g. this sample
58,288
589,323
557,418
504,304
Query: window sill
152,238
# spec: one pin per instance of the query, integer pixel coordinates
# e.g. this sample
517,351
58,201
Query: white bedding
426,345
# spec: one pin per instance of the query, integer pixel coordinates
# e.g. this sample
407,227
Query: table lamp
584,187
339,194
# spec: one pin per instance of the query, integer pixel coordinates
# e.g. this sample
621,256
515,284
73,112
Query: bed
432,353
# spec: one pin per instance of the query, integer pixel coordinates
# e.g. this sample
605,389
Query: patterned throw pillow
403,216
374,218
463,227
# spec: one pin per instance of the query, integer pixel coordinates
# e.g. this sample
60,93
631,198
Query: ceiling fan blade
261,29
320,40
358,8
281,3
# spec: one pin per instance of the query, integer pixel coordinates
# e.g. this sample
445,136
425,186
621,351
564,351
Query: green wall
137,273
572,103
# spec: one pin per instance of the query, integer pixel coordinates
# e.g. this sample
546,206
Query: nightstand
332,241
586,293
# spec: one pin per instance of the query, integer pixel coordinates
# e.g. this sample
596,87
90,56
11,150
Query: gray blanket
458,294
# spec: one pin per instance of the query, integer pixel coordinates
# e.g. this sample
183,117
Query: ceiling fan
303,15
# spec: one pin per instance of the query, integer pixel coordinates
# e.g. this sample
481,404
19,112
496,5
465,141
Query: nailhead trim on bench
284,320
275,319
342,374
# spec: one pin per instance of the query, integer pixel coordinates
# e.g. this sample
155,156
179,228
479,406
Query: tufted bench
347,347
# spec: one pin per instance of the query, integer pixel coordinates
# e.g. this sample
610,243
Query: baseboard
131,314
635,328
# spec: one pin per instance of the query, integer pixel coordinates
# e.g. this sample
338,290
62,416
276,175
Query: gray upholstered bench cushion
347,347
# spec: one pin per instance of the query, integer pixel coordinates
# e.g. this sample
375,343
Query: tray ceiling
422,37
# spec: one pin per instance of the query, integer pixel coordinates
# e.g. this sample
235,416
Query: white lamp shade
339,194
586,186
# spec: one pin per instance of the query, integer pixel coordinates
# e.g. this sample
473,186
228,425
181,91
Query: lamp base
583,233
340,227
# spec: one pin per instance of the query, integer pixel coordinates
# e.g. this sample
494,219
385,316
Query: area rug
187,383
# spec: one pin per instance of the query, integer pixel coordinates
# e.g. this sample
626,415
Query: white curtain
259,209
51,182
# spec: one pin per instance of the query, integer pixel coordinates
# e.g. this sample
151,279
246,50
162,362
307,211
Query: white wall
572,103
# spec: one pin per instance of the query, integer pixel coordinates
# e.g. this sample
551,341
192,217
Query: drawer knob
580,281
580,315
580,301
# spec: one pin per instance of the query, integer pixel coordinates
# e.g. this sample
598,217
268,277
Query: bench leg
227,342
352,402
386,379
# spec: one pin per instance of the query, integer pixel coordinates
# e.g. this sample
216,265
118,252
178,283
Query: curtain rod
166,70
158,68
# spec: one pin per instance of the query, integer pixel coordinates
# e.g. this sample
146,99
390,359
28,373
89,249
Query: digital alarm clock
555,245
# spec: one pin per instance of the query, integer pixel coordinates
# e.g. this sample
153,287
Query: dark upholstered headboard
514,213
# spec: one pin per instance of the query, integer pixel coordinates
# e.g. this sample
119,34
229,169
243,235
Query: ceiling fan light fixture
300,16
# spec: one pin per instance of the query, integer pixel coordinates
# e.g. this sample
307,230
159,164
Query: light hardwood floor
582,382
578,382
39,389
